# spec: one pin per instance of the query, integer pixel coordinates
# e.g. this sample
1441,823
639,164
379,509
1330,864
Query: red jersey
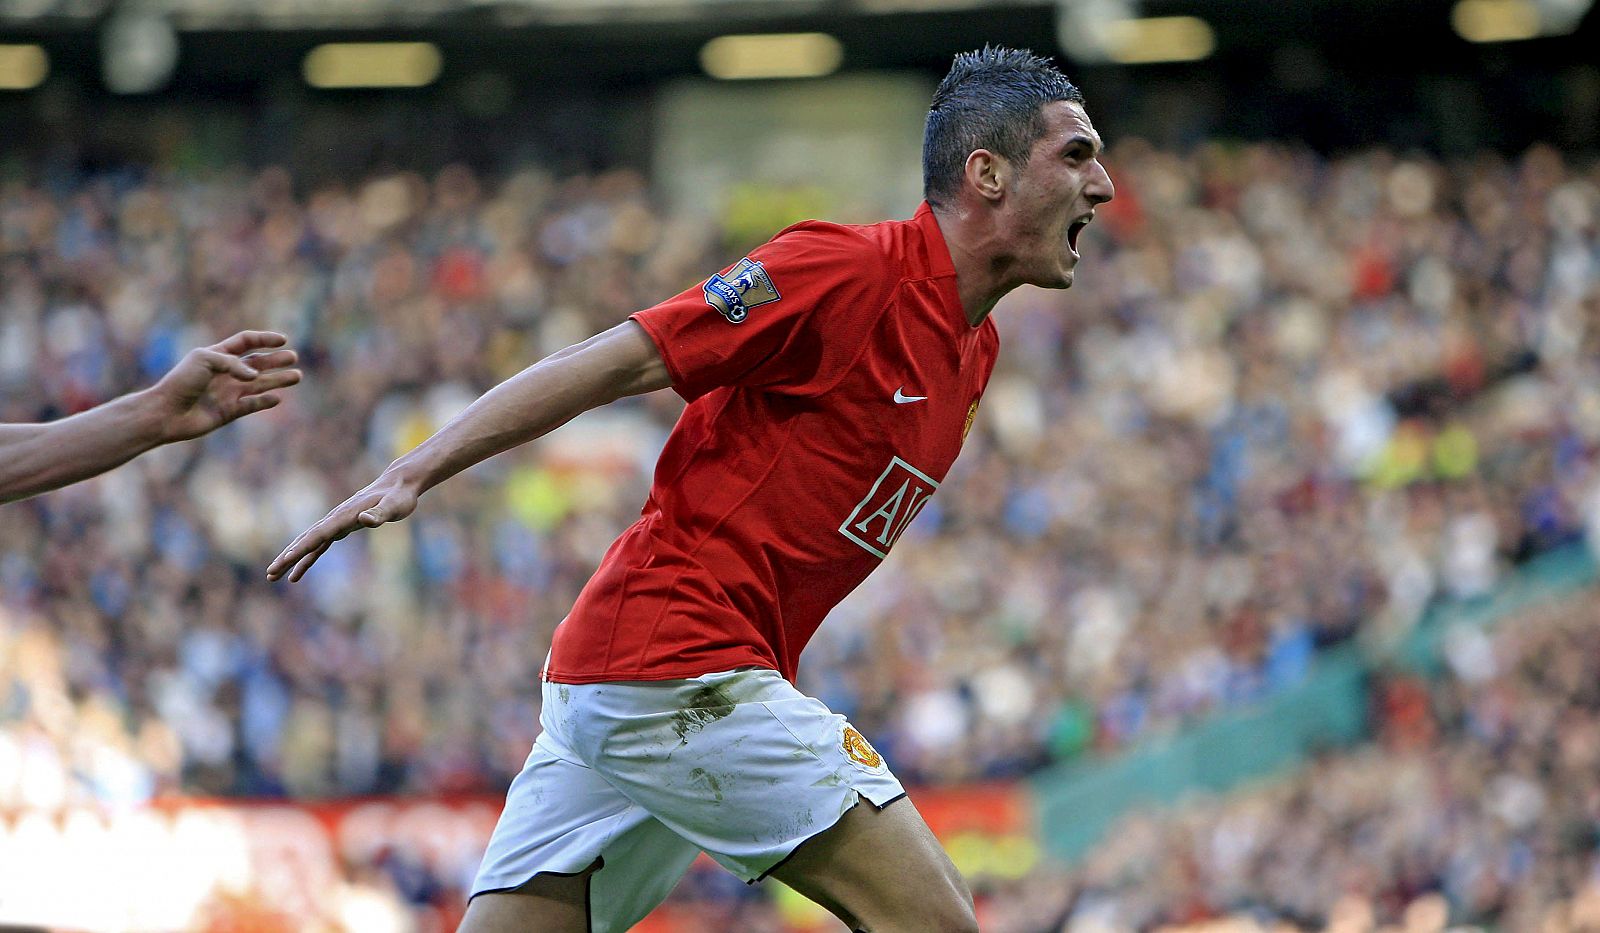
831,377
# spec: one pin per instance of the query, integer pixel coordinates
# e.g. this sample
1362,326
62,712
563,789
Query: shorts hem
587,871
860,796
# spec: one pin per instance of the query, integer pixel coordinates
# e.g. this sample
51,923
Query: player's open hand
389,498
214,385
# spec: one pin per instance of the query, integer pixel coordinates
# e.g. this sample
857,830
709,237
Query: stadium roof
310,14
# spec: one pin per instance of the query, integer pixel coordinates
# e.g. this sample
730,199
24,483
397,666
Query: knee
952,911
956,920
964,921
949,912
959,918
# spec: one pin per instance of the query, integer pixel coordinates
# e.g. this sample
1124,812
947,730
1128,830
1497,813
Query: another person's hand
389,498
214,385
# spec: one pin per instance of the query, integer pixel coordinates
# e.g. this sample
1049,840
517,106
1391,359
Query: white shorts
641,776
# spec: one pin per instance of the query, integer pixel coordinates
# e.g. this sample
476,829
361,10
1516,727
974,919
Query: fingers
312,543
249,405
224,363
389,498
278,380
246,341
303,551
366,509
272,359
306,562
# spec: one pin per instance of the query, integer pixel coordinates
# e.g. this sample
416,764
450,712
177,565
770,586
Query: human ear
987,173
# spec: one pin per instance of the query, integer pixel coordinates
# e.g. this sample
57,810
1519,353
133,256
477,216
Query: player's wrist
147,416
411,472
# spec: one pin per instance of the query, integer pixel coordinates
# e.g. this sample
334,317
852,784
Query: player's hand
389,498
214,385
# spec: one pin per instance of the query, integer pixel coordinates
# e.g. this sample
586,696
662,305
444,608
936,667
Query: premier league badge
735,292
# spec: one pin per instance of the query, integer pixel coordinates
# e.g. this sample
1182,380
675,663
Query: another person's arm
619,362
208,388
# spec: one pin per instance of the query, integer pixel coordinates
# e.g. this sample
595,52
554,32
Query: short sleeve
781,318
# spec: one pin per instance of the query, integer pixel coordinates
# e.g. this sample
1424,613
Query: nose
1100,189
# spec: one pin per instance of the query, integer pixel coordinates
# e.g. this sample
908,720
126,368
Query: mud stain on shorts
796,826
706,706
702,776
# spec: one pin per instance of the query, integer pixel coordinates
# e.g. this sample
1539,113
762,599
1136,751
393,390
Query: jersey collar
939,261
940,265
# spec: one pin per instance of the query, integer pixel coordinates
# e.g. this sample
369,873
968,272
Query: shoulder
839,260
851,253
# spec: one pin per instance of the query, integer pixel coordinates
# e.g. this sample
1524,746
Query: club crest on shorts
860,751
735,292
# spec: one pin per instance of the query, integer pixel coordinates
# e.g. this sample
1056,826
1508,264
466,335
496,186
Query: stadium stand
1291,401
1476,805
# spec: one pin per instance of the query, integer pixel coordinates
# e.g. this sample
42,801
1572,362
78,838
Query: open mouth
1076,228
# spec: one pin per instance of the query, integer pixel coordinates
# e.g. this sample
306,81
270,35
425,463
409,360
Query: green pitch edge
1077,802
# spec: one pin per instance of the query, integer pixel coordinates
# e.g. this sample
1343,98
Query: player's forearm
536,401
36,458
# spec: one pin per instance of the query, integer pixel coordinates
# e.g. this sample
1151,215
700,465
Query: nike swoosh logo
901,397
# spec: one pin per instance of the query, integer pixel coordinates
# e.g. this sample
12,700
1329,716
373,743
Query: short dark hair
990,100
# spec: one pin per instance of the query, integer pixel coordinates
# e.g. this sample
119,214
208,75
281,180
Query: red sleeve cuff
680,384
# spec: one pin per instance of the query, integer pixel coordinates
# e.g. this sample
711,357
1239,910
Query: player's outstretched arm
620,362
208,388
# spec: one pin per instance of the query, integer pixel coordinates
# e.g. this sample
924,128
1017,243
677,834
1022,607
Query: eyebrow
1094,145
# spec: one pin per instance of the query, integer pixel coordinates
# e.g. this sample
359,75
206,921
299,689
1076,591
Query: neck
982,269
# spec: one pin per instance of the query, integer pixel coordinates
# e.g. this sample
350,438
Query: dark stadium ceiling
1341,73
920,24
370,14
344,14
247,42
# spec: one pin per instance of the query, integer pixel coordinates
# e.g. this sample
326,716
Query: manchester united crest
860,751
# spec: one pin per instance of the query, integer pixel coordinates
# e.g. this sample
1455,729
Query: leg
882,871
570,853
546,904
577,858
762,777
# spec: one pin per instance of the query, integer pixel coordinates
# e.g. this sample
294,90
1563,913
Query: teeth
1074,229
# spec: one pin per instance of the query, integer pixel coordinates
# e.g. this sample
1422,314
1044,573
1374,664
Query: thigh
545,904
571,849
741,764
637,872
882,870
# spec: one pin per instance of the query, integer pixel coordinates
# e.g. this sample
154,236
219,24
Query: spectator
1486,821
1291,401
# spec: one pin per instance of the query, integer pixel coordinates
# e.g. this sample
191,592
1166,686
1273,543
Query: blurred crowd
1289,401
1482,810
